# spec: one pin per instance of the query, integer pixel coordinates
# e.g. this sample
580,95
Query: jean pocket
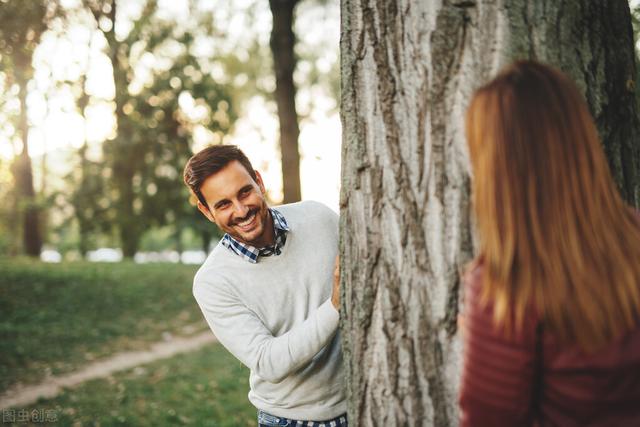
268,420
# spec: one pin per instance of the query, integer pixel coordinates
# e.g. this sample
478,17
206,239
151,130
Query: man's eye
223,205
245,192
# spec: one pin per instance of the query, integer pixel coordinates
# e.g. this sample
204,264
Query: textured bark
32,237
284,63
408,70
593,43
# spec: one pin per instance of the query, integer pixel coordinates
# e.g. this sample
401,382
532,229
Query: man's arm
241,332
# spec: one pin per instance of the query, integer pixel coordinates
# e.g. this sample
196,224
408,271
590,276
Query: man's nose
240,209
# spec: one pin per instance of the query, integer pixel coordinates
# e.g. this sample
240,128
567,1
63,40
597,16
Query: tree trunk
122,145
206,241
284,62
123,155
84,222
80,211
24,179
408,71
593,43
130,225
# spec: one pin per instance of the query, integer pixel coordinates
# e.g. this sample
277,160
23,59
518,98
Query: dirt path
26,395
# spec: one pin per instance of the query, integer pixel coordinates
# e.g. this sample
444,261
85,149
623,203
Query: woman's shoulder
479,308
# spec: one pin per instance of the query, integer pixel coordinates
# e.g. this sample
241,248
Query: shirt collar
251,253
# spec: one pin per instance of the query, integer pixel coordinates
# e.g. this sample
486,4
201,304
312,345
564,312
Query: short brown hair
209,161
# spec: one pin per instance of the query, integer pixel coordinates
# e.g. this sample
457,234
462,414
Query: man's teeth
247,221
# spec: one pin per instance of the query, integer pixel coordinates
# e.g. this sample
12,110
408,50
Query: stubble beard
255,236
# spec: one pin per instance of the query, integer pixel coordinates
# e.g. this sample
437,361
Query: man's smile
247,223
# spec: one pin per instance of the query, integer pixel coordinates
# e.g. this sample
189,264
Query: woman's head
545,202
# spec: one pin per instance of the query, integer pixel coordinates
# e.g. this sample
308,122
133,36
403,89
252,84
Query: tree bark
32,238
408,71
593,43
284,62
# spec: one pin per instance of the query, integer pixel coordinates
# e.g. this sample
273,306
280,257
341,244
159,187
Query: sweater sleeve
241,332
498,372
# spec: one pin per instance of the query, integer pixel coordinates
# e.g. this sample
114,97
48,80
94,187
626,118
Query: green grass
56,317
205,388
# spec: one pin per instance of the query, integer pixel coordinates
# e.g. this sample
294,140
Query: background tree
87,182
10,238
23,24
408,70
121,150
153,132
284,62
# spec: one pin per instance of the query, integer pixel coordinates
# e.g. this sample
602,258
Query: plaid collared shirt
265,420
251,253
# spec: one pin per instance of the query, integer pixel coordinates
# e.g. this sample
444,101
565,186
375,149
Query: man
266,290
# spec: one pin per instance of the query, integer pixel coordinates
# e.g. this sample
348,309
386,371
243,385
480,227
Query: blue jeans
267,420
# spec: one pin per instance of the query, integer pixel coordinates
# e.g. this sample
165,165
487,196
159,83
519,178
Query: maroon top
528,379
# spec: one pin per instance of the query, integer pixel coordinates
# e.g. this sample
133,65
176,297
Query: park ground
58,319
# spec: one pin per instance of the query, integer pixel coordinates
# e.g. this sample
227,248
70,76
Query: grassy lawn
55,317
205,388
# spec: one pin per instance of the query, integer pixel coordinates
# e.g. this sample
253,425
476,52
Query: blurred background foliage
101,104
133,89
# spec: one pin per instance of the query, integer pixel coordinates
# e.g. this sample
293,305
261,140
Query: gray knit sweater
277,318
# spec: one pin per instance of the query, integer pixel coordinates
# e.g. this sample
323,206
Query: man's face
237,205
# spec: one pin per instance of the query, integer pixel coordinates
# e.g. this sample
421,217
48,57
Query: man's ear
260,182
206,212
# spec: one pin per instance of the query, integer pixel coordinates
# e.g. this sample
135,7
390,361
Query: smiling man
270,291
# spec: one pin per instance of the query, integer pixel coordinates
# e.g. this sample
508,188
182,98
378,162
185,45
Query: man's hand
335,296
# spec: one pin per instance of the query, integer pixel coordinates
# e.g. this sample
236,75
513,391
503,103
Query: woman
552,303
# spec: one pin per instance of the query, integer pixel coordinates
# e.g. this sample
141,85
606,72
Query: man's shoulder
215,270
306,210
